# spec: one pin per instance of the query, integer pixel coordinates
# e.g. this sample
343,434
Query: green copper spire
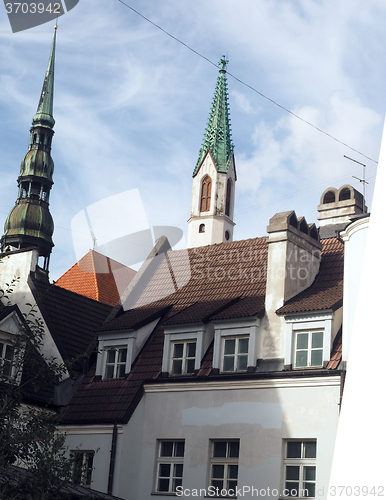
30,222
44,112
217,137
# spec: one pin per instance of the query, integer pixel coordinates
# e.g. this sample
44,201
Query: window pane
179,449
229,347
164,470
231,485
166,449
317,358
309,473
317,339
178,350
292,472
218,471
294,449
122,355
242,362
109,371
163,484
1,349
232,471
178,470
177,366
310,449
110,356
233,450
121,371
177,482
217,484
293,489
220,449
302,341
8,353
229,363
243,345
191,350
310,490
301,358
190,365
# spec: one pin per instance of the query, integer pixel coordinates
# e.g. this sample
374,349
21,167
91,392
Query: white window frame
235,355
6,344
302,463
173,461
241,328
86,469
312,322
309,349
227,483
117,363
184,358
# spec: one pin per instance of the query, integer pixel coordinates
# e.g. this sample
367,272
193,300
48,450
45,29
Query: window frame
172,460
117,363
226,461
236,354
302,462
4,361
309,349
85,471
184,358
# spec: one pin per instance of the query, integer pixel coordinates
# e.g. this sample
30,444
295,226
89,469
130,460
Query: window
83,467
309,349
235,354
228,198
6,359
300,468
183,358
206,191
201,228
116,363
169,465
224,465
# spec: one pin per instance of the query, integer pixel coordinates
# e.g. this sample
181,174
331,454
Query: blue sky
131,104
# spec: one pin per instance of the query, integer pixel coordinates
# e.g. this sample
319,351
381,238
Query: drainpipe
112,459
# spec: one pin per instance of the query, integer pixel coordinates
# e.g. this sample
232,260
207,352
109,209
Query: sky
131,106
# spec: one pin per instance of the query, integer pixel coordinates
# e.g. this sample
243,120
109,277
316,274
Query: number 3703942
32,8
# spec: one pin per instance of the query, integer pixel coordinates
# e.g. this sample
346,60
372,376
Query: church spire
30,222
218,135
214,176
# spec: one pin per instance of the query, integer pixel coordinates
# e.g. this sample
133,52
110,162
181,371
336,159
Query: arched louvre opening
228,198
206,192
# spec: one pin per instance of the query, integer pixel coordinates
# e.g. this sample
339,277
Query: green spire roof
44,113
217,137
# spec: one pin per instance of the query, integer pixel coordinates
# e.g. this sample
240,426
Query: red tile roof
336,353
96,276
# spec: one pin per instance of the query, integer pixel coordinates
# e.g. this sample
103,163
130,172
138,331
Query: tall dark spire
30,222
217,137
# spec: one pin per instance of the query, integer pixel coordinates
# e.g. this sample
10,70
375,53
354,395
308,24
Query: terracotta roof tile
336,353
97,276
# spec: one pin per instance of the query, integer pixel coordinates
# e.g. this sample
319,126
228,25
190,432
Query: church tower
214,177
30,222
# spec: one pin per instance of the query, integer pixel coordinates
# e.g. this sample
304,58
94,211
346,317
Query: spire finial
223,63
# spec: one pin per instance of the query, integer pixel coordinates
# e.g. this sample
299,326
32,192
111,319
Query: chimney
337,208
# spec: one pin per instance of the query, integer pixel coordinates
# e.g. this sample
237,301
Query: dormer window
183,358
235,354
116,363
7,352
309,349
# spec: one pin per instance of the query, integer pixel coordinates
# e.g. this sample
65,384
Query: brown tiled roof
227,281
96,276
326,292
336,353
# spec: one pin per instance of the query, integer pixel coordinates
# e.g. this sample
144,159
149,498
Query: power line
246,84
